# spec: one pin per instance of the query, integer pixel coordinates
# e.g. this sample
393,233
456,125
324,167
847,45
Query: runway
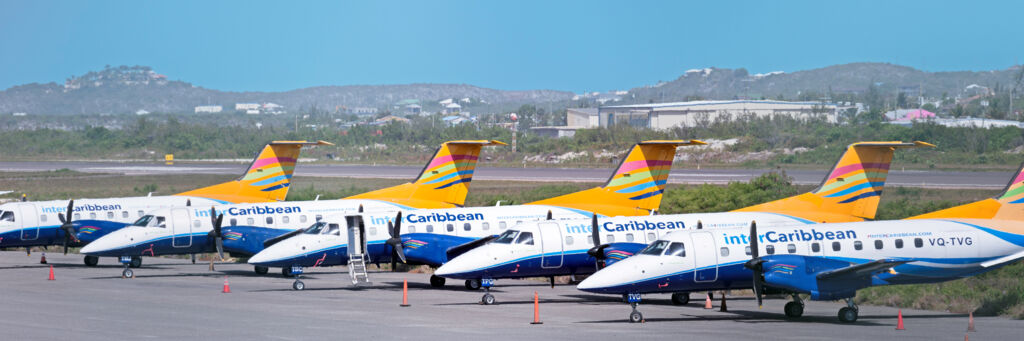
897,177
174,299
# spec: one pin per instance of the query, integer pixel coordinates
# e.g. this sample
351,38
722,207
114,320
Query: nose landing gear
487,299
634,299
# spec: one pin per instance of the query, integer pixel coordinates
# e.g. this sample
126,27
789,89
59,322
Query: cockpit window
676,249
7,216
316,228
506,237
149,221
160,222
655,248
333,229
525,238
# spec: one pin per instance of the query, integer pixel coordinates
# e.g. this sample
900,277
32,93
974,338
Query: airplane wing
860,270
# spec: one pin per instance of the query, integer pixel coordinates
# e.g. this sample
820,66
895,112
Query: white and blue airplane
444,182
81,221
432,237
850,192
826,261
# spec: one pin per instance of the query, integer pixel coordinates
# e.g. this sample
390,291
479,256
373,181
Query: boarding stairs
357,269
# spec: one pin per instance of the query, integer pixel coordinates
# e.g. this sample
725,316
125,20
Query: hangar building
699,113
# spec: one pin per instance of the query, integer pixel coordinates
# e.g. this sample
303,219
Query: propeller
700,225
188,202
397,248
217,234
549,215
598,250
756,264
67,226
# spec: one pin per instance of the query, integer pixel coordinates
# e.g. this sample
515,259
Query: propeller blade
549,215
67,226
220,247
360,208
754,252
598,250
397,247
756,265
188,202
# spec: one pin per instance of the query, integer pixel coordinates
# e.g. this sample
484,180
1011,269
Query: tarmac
897,176
175,299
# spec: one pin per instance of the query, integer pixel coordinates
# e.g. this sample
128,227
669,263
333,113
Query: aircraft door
356,235
29,221
705,257
181,228
550,245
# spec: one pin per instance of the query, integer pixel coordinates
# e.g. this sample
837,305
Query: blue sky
563,45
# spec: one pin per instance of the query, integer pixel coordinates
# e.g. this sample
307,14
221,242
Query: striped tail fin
850,192
266,179
443,182
635,188
1008,205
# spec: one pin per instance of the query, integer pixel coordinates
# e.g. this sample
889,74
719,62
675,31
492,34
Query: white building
452,108
209,109
582,118
247,106
698,113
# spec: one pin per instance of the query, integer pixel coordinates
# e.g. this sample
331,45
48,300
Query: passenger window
836,246
815,247
590,241
302,218
140,213
629,237
651,236
519,222
918,242
270,220
611,238
110,215
42,218
676,249
373,230
430,228
525,238
124,214
195,223
747,250
857,245
878,244
466,227
412,228
451,228
501,225
486,226
234,222
791,248
92,215
568,240
769,249
725,252
899,243
77,216
318,217
250,221
284,219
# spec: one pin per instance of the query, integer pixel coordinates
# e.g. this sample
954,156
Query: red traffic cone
227,287
899,320
405,293
707,302
42,260
970,323
536,309
51,274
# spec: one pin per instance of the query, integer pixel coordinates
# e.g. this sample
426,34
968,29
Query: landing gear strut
487,299
634,299
297,272
436,281
127,261
849,313
795,308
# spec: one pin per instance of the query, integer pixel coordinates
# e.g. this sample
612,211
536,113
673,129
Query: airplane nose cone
262,257
600,281
453,267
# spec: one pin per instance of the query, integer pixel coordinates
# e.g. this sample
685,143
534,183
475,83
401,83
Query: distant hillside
129,89
855,78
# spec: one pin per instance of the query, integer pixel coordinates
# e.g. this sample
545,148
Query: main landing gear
681,298
91,260
260,270
286,272
849,313
473,284
136,262
436,281
795,308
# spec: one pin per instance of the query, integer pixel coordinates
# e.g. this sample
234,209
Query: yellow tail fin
443,182
267,178
1008,205
635,188
850,192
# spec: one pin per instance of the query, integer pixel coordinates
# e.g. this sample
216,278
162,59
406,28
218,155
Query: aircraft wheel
298,285
136,262
488,299
436,281
847,315
91,260
794,309
260,270
286,272
636,317
128,273
473,284
681,298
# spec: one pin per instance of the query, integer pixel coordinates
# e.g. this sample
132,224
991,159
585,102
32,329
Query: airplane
850,192
827,261
188,230
80,221
432,237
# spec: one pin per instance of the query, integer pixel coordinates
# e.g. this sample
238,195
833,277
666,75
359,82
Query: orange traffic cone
227,287
51,274
405,293
899,320
970,323
707,302
536,309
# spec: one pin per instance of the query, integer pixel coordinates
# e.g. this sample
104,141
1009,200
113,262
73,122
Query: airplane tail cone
42,260
51,274
723,308
227,287
899,320
536,309
405,293
970,323
707,302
